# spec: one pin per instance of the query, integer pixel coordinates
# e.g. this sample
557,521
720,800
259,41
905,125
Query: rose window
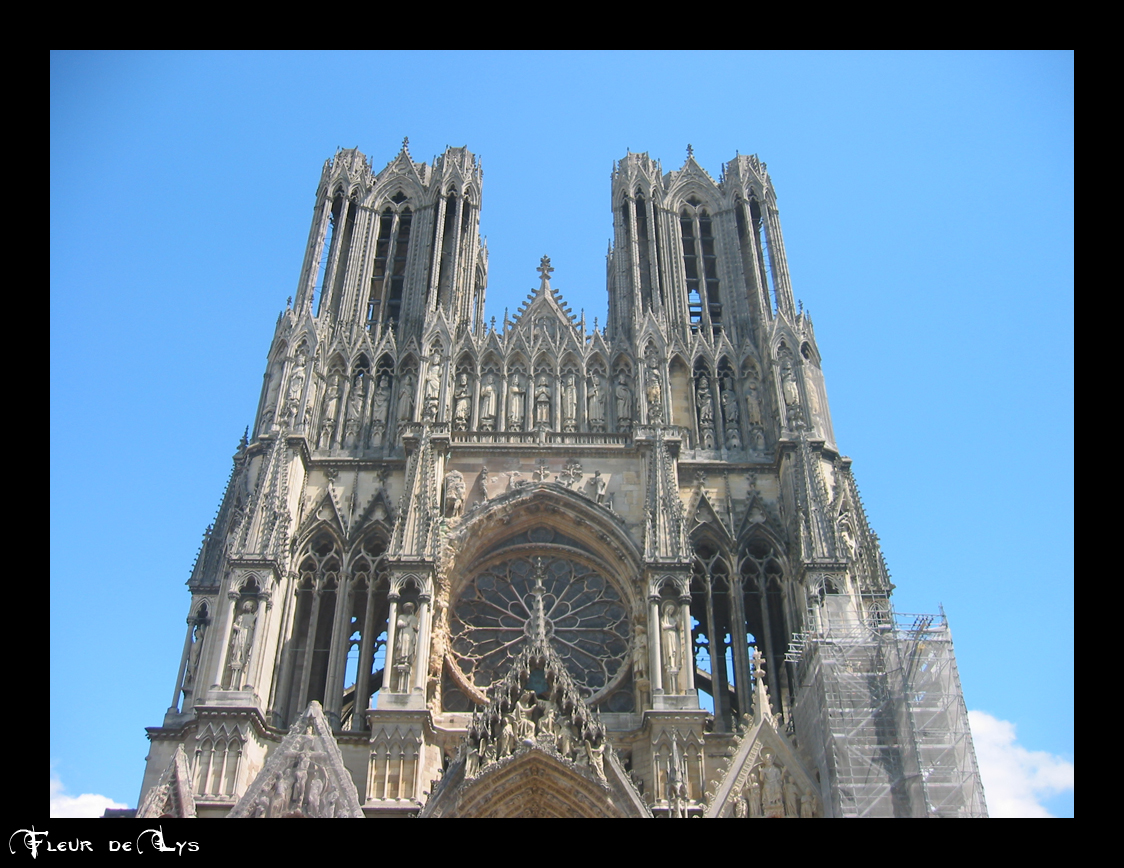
583,617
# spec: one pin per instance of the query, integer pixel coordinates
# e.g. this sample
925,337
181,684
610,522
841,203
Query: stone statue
241,641
380,404
729,405
455,491
600,484
595,402
461,397
515,403
596,757
569,403
199,631
406,398
741,808
791,808
524,711
807,804
772,788
507,735
405,646
752,402
670,645
640,653
488,404
753,796
705,403
482,483
432,390
542,402
623,403
653,393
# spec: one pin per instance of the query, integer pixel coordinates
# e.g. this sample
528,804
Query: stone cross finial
405,143
690,151
544,268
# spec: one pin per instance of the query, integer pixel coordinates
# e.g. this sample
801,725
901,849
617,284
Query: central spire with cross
545,270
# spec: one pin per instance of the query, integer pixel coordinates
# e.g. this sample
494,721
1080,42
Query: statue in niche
315,789
432,390
670,645
507,734
600,485
331,410
197,634
542,402
772,788
752,401
516,393
808,804
546,728
596,756
729,404
790,390
380,404
354,415
405,646
296,384
595,403
455,490
623,396
461,397
488,404
569,403
241,641
741,808
406,398
706,413
640,653
653,394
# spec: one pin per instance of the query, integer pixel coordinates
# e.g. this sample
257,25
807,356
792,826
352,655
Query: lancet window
700,267
388,271
217,760
338,632
734,613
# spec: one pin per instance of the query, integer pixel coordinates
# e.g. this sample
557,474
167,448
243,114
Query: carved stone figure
640,653
241,641
752,401
405,646
653,394
706,413
753,796
623,403
670,645
741,808
488,404
482,483
198,632
455,491
596,756
600,485
524,711
515,398
807,804
542,402
507,735
380,404
406,398
432,390
569,403
772,788
595,402
461,399
791,806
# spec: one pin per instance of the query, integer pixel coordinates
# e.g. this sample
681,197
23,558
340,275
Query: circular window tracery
585,620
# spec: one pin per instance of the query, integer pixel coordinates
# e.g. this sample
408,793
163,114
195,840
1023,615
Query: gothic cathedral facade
464,568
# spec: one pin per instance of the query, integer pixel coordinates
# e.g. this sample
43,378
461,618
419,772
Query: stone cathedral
475,569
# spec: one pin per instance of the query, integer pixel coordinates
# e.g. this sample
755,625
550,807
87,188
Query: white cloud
1015,779
85,805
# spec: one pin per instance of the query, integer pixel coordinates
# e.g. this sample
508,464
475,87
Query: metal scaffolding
881,710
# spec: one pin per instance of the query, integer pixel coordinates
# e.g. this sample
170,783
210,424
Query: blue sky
927,207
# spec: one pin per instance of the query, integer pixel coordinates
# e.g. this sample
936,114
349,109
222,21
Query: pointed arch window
388,271
700,267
